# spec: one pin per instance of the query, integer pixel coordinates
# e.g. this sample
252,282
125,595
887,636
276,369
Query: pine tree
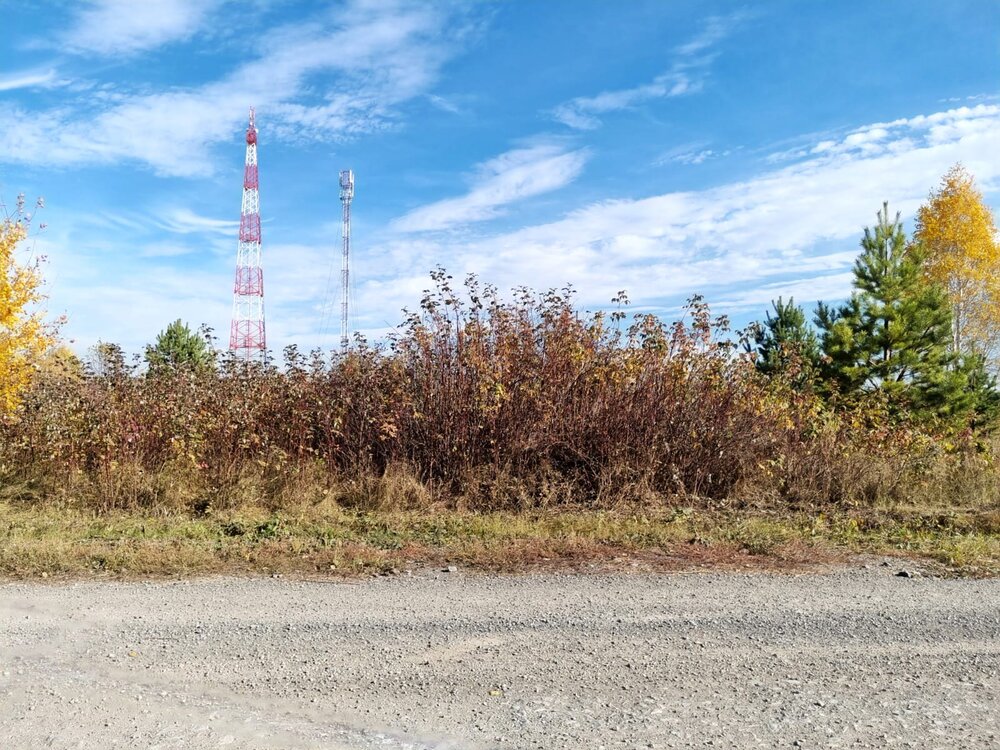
894,333
178,346
785,343
982,390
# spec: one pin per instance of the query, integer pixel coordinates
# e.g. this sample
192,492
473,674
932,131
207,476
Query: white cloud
125,297
186,221
581,113
790,230
785,231
380,54
685,76
899,135
126,27
690,154
697,157
715,30
445,104
802,291
510,177
27,79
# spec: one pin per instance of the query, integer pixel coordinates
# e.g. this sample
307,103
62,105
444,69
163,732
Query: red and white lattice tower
246,334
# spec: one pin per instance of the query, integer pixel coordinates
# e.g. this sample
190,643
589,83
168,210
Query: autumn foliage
24,336
958,231
477,403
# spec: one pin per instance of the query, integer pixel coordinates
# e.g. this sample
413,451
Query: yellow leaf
957,229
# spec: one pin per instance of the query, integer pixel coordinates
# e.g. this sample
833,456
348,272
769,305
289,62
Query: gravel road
852,658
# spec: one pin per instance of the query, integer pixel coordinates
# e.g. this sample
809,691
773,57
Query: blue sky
666,148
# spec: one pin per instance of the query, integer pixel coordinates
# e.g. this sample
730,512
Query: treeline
920,328
483,402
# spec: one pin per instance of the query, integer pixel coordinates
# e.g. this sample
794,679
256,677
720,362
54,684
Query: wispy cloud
740,243
379,54
811,289
690,154
897,136
510,177
445,104
791,230
127,27
186,221
695,157
27,79
686,75
714,31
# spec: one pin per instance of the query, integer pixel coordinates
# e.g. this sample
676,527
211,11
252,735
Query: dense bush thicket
477,402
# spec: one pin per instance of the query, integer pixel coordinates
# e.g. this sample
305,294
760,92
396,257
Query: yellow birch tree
957,228
23,333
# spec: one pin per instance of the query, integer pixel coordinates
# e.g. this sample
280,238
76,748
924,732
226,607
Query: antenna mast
346,195
246,333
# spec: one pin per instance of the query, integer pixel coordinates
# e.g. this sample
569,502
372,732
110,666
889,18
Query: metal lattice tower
346,195
246,334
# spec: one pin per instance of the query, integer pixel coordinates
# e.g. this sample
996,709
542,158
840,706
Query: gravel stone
848,659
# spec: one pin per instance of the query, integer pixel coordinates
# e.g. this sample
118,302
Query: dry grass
329,540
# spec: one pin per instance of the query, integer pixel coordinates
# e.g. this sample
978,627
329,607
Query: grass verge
50,541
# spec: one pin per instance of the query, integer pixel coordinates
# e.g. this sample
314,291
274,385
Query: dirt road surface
856,658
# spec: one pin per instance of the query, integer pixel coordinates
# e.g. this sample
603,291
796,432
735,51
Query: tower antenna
346,195
246,333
